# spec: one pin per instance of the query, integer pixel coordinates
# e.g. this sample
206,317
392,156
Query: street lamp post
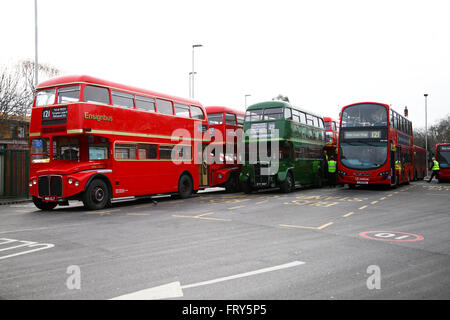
247,95
35,45
193,72
190,86
426,130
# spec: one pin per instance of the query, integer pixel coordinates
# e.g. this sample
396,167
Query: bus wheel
96,195
185,186
288,184
351,186
45,206
246,187
232,184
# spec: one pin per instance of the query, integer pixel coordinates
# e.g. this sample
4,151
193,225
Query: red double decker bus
443,157
420,163
375,145
332,133
224,126
94,140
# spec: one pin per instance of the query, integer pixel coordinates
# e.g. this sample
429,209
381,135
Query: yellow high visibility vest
398,165
435,166
332,166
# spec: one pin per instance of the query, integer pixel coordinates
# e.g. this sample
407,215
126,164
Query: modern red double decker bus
443,157
94,140
224,126
332,133
375,145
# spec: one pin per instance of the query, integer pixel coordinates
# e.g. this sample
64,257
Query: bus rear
225,125
443,157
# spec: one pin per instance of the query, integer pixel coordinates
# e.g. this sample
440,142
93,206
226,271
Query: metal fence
13,173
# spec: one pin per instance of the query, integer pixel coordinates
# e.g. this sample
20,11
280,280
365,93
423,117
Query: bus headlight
384,173
77,183
30,184
70,181
220,176
34,181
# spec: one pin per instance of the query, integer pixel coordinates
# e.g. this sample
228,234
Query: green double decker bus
283,147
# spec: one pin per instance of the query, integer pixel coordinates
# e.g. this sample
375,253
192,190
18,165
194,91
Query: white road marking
175,289
23,244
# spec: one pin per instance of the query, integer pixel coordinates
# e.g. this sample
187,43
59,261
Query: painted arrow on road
175,289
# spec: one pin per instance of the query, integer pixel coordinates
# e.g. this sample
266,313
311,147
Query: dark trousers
332,179
434,173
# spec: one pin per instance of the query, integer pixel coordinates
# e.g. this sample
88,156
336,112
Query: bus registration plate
362,182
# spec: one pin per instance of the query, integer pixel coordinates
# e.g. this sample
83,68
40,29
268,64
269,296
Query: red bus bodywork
388,141
121,135
224,124
420,163
332,133
443,157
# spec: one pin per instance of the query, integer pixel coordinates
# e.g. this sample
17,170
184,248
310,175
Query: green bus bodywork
301,138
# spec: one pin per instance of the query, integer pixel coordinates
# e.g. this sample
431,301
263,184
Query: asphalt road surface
367,243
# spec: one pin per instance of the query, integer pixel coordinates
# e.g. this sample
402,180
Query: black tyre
185,186
246,187
288,184
96,195
45,206
351,186
232,184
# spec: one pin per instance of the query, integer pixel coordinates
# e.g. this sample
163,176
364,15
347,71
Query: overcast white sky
321,54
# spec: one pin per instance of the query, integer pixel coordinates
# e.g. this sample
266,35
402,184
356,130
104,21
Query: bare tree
281,97
437,133
17,87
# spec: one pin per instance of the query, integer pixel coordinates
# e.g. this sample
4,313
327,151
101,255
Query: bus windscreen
443,156
364,115
363,155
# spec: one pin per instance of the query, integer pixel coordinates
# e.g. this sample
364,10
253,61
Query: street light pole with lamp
247,95
426,130
193,72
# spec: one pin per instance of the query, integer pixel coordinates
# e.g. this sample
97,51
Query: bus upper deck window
45,97
230,119
123,99
69,94
164,106
96,94
197,113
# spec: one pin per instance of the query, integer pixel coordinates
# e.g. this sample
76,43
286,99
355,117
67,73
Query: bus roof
278,104
219,109
74,79
328,119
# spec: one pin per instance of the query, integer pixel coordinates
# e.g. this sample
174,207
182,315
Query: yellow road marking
103,212
264,201
383,198
232,208
325,225
373,202
204,214
299,227
138,214
303,227
348,214
363,207
203,218
389,195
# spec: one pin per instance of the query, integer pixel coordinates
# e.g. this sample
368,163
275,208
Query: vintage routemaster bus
225,125
443,157
375,145
283,147
419,163
94,140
